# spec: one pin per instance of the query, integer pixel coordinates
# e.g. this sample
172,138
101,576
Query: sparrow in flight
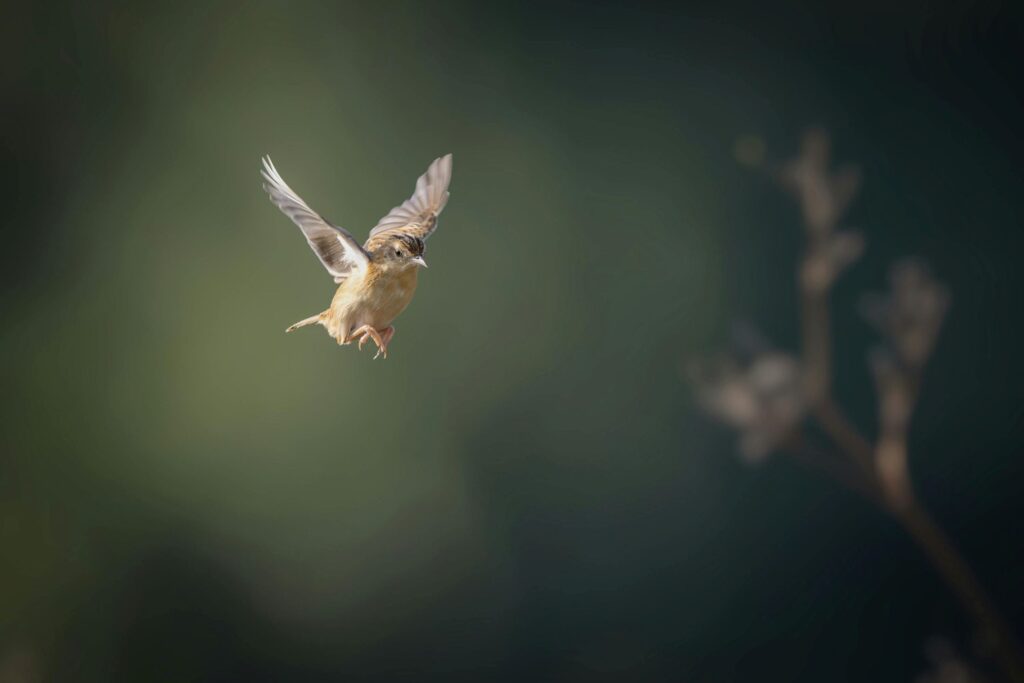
377,280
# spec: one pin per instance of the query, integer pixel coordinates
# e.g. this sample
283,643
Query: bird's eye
398,252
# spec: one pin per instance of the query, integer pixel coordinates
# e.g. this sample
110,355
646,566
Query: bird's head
404,251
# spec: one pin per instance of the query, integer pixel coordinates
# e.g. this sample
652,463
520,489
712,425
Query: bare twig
957,574
835,467
839,428
913,328
769,407
816,345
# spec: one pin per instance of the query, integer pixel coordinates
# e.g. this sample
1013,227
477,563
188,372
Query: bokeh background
523,491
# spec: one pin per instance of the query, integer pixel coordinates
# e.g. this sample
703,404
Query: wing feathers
334,246
417,215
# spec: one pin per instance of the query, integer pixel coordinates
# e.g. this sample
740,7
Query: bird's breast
380,297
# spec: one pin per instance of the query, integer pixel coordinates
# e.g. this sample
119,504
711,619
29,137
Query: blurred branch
947,666
957,574
886,466
767,400
835,423
833,466
911,318
817,345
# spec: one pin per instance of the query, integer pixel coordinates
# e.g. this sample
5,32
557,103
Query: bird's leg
389,332
367,332
382,344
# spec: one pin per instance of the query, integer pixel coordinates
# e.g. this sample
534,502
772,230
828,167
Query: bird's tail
311,320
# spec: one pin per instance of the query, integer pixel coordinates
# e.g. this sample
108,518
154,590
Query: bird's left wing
334,246
417,215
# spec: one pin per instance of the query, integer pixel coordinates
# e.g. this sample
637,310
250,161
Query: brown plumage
376,281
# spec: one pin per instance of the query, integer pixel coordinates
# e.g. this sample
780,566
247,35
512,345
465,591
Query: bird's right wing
417,215
334,246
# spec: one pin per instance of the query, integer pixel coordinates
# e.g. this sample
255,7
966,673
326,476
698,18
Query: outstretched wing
417,215
334,246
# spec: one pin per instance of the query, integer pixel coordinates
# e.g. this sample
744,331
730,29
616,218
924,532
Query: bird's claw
366,332
382,347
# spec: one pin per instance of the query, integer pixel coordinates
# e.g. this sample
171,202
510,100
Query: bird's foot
367,332
388,333
382,343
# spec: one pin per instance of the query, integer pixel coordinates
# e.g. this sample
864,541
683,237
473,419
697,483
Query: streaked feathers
417,215
334,246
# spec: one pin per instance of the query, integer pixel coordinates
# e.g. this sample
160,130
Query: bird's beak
418,260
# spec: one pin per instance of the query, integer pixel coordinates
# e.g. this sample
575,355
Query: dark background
524,489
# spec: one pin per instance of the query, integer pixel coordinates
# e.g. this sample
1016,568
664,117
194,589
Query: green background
524,489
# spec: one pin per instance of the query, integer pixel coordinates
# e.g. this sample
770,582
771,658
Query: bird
377,280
